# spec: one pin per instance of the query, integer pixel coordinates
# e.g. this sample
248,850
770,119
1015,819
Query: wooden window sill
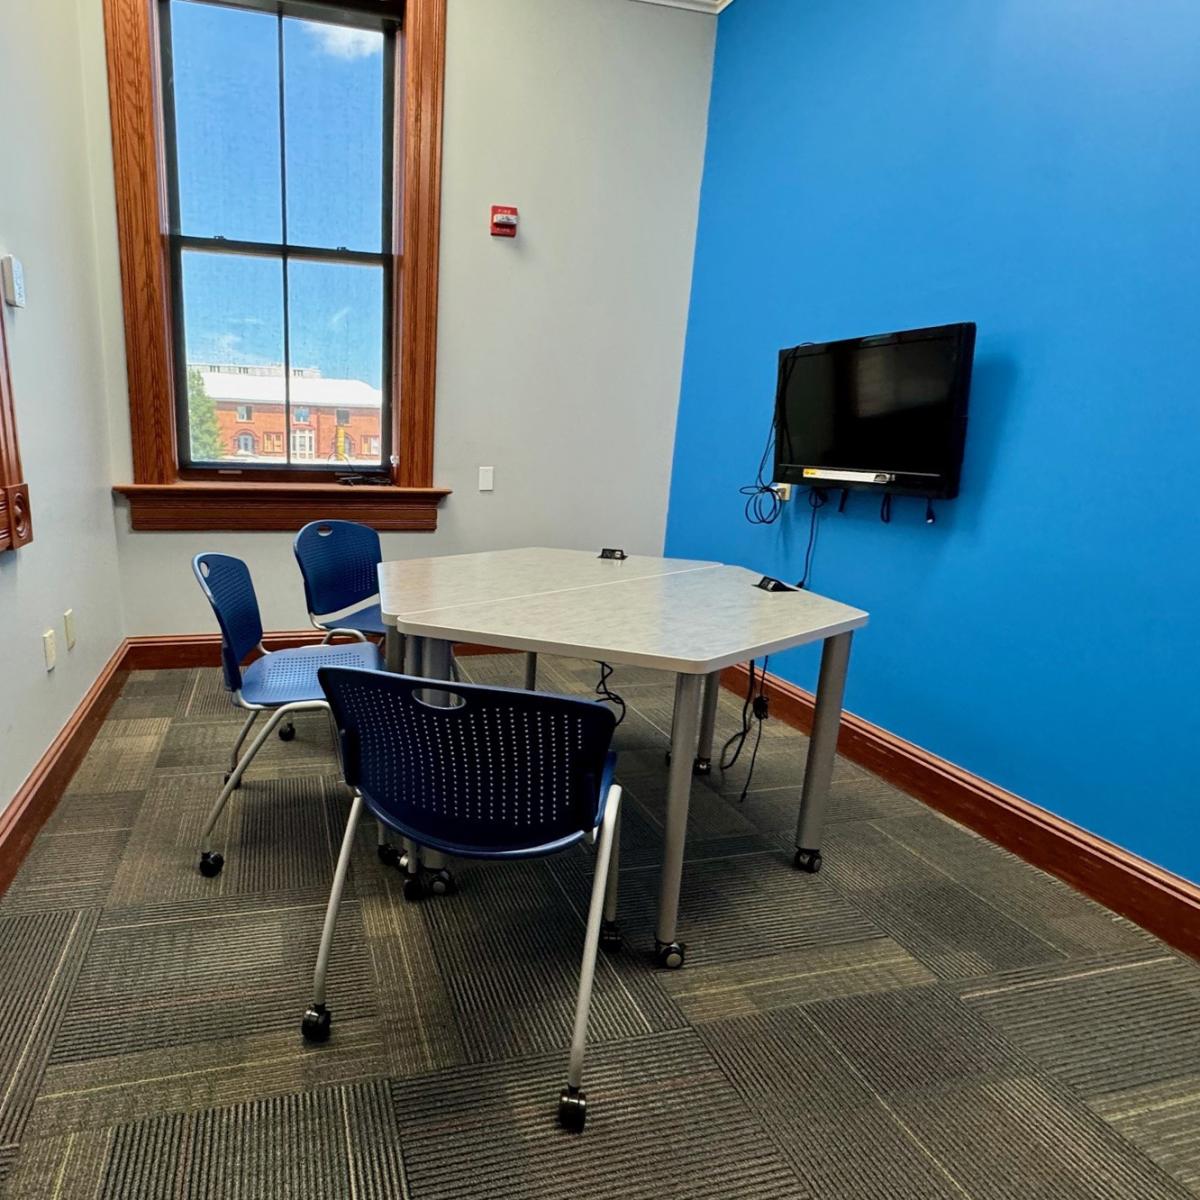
194,505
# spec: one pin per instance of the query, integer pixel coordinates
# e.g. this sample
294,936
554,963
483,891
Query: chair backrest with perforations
488,770
338,560
225,580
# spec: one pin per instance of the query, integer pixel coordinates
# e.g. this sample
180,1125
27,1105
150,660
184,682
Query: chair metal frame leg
315,1025
572,1104
211,862
241,738
531,665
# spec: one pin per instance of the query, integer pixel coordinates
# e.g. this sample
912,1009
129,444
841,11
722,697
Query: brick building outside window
332,420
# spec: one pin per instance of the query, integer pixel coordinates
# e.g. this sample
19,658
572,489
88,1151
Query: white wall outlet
487,479
782,490
49,649
12,279
69,628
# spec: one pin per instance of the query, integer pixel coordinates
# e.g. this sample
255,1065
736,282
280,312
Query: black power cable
763,505
817,499
606,694
755,708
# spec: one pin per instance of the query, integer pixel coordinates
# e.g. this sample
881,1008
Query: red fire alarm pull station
504,220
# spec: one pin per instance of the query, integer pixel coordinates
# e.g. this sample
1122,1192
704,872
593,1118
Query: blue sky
227,132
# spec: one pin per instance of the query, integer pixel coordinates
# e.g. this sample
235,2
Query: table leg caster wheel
388,855
211,862
441,883
315,1026
669,955
610,936
572,1109
807,860
414,889
702,766
287,732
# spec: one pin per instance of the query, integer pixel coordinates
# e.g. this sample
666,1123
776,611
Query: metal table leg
684,731
414,651
708,723
531,672
822,750
393,650
436,662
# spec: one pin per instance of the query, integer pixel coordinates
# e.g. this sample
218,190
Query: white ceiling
705,6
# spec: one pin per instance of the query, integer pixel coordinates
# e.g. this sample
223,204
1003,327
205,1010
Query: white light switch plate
12,279
69,627
487,479
49,649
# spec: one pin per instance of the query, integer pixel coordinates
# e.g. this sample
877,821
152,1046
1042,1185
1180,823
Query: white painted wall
559,354
55,349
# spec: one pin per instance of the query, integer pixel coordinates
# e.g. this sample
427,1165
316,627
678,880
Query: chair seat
365,620
290,676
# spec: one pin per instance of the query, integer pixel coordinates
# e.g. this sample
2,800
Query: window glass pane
334,107
226,78
233,342
336,339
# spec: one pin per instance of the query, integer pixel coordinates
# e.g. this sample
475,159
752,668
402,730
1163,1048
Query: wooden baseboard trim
172,651
37,797
1165,904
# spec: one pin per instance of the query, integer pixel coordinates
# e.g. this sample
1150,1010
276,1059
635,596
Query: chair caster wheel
807,860
388,855
572,1109
211,863
610,936
414,889
315,1025
287,732
702,766
441,883
669,955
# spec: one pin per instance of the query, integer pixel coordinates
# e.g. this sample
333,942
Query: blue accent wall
1033,167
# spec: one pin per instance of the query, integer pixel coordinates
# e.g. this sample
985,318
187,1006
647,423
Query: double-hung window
278,176
279,135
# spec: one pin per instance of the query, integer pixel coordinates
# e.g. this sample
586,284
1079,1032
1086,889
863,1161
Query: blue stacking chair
478,772
283,682
338,560
339,563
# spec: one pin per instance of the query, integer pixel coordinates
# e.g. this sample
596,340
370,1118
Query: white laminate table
690,618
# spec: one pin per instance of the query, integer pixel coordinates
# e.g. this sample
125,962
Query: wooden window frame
161,497
16,528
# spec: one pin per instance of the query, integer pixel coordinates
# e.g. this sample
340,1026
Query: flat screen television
885,413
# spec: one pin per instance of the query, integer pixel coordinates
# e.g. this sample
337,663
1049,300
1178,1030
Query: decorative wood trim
134,101
135,91
170,651
37,797
278,506
422,82
16,528
1165,904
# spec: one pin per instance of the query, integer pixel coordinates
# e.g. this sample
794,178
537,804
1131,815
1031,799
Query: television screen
887,412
